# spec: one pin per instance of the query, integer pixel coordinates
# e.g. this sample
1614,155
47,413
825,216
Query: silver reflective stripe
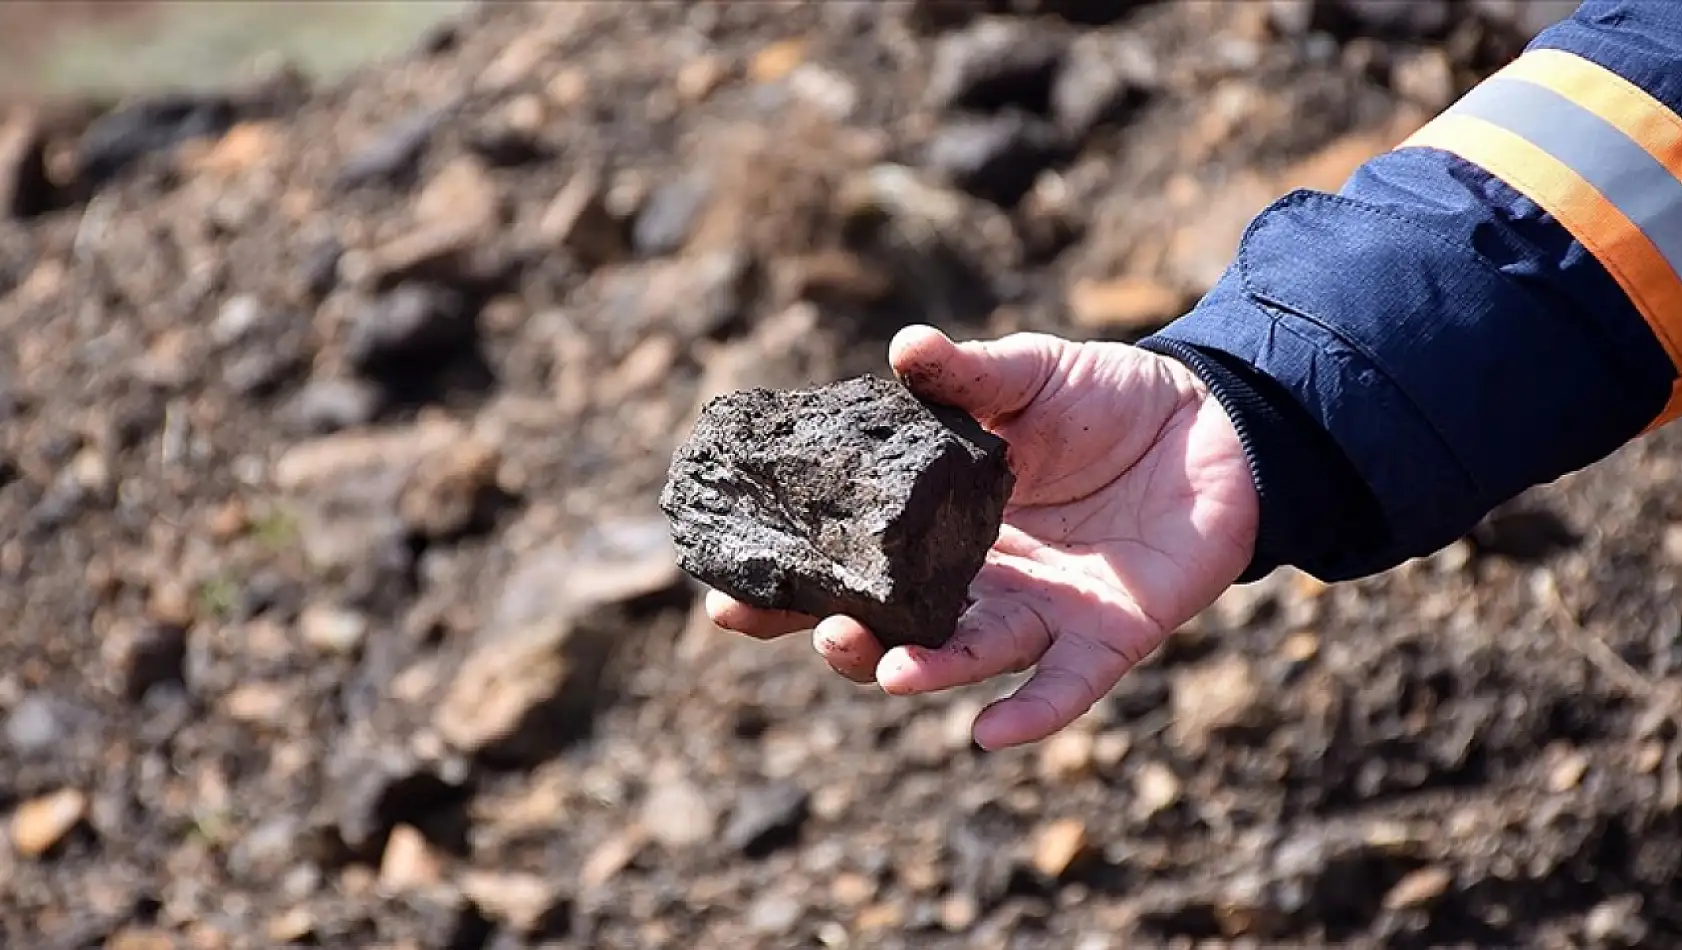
1623,172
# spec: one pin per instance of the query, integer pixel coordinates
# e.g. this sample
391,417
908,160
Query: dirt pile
337,608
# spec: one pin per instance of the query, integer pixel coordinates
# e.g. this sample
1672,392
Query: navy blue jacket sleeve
1404,355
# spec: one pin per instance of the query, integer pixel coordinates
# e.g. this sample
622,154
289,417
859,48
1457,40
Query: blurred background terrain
345,347
118,46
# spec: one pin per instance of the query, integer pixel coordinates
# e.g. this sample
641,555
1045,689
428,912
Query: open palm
1133,510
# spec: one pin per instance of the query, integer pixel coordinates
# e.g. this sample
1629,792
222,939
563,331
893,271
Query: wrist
1313,510
1233,401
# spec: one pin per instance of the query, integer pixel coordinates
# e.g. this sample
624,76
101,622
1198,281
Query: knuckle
1030,633
1111,654
1071,692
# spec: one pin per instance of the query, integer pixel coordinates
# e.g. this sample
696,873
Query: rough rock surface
853,498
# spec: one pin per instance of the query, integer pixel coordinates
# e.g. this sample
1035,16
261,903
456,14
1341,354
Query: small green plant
212,826
275,528
218,596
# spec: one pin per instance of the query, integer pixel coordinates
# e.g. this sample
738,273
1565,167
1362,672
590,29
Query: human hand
1133,510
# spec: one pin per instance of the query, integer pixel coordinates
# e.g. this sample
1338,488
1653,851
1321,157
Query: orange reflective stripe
1636,152
1635,113
1672,409
1612,238
1612,97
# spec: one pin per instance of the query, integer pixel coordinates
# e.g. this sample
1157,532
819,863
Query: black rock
329,405
439,38
263,371
413,323
26,189
156,657
854,498
269,591
1105,80
438,921
1384,19
996,158
701,296
161,714
59,505
60,446
1523,532
122,137
995,63
927,17
668,216
13,269
504,146
318,268
767,818
982,854
135,416
394,156
376,790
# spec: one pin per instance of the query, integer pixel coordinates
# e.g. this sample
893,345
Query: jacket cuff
1452,371
1313,504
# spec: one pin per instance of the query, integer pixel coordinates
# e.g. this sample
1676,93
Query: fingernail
889,666
895,665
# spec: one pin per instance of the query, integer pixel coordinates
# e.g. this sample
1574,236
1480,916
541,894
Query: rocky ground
336,609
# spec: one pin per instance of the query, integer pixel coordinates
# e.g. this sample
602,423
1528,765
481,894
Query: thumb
989,379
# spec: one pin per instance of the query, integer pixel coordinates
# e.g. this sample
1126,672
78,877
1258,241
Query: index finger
757,622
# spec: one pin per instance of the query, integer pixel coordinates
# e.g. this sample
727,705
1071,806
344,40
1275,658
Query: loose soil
336,610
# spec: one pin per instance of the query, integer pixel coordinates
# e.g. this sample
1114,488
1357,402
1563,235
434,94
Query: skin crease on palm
1133,510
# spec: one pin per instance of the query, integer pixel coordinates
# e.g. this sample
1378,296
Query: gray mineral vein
853,498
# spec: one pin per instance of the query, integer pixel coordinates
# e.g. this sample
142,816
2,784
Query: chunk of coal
119,139
854,498
997,158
